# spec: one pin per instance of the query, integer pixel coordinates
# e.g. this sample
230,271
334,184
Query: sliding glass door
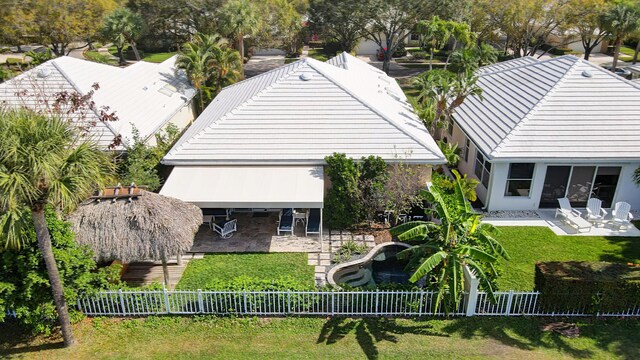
579,184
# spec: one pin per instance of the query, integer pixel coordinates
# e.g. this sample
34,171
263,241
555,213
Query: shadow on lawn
13,339
369,332
617,336
630,250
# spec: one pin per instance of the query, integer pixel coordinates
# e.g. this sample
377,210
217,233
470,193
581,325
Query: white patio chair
566,209
595,212
225,228
621,214
572,216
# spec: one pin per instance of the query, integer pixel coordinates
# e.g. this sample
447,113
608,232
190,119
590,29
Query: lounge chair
595,212
572,216
285,223
225,228
313,222
621,214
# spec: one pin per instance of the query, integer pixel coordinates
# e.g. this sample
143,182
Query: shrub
332,47
347,250
98,57
316,44
420,55
400,50
594,286
24,283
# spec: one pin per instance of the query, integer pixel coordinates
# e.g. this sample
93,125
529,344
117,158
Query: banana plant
443,249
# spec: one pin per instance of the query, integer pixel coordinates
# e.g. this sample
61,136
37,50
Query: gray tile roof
304,111
561,108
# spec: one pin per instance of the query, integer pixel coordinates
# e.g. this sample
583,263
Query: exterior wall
468,166
181,119
367,47
626,190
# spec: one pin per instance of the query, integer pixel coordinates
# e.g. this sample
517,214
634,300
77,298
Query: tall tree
621,21
342,21
585,17
391,21
210,65
44,161
443,250
239,18
123,27
284,25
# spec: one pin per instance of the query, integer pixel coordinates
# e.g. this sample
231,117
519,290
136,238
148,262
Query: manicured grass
338,338
100,58
218,269
157,57
526,245
318,54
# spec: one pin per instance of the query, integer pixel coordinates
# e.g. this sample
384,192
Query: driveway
262,63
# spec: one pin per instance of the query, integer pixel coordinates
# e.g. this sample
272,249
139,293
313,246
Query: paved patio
547,218
256,234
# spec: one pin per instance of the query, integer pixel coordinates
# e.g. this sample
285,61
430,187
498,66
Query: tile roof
301,112
561,108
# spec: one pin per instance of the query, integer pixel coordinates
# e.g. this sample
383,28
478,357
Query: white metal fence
351,303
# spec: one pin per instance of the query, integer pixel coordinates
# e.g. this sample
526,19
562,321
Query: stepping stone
325,262
320,269
325,256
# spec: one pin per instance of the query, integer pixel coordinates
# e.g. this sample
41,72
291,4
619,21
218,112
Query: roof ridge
370,106
179,145
537,106
95,110
265,73
536,63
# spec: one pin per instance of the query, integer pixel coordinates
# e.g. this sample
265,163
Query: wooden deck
146,273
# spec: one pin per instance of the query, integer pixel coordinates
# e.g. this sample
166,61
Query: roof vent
306,77
44,72
145,88
587,74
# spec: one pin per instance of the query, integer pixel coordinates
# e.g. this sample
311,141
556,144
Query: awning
247,186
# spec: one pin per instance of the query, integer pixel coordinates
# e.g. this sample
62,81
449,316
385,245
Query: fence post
122,308
166,300
421,303
288,302
333,302
200,302
377,300
245,301
507,311
471,287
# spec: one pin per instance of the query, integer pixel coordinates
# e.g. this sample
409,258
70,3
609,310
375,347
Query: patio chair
285,223
621,214
595,212
225,228
566,209
313,222
572,216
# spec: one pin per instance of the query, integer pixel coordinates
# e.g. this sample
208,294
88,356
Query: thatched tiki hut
130,224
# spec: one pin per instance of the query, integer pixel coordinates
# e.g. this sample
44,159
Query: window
465,149
519,179
450,127
483,169
414,37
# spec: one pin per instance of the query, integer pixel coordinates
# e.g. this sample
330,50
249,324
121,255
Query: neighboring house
548,129
262,142
144,96
370,47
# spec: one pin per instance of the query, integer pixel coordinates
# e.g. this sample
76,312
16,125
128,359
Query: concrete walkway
331,244
259,64
547,218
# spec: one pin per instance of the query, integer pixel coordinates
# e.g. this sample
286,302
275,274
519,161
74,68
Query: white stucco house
261,144
144,96
549,129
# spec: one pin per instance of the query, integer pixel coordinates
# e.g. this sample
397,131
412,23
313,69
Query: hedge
588,286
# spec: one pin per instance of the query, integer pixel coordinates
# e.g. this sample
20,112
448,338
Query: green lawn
318,54
317,338
157,57
217,270
527,245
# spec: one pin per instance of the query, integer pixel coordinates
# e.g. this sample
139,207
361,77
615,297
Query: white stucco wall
367,47
496,200
625,191
181,119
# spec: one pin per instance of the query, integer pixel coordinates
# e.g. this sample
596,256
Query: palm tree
44,161
239,18
620,21
123,26
210,65
443,250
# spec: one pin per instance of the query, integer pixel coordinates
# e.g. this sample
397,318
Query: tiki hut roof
142,227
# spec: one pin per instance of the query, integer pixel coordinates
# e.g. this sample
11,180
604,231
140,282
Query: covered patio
257,198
